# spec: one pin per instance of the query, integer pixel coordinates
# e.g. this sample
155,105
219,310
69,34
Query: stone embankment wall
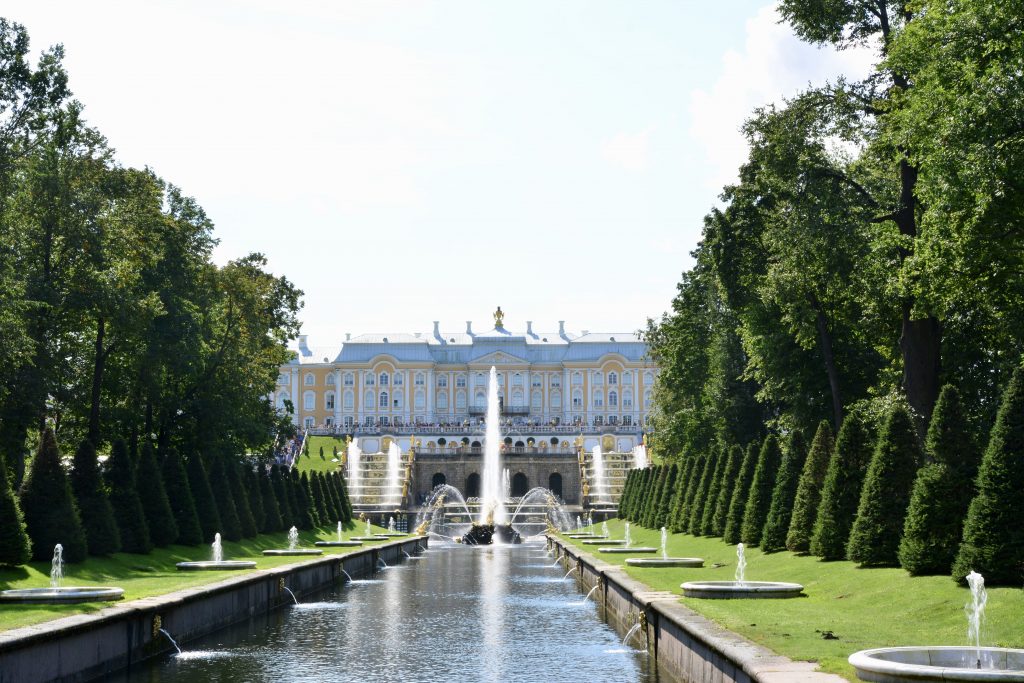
86,646
685,644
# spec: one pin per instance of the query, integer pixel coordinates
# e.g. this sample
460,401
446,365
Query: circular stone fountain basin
896,664
61,595
582,536
369,538
338,544
746,589
395,534
210,565
295,551
604,541
631,549
665,562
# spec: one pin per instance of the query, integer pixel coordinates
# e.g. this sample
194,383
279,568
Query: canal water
457,614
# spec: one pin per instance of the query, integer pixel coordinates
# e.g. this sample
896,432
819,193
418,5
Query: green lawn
314,462
154,574
863,608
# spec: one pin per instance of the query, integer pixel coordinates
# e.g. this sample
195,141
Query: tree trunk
99,361
921,344
825,340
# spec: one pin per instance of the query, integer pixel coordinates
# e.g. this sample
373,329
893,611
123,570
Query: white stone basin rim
665,561
630,549
598,540
296,551
62,595
938,663
338,544
209,565
746,589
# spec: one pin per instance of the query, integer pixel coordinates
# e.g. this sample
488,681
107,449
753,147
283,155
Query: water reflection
461,614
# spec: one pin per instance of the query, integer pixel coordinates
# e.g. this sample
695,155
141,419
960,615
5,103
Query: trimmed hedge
841,494
49,507
124,499
755,514
808,491
101,534
993,542
773,537
876,533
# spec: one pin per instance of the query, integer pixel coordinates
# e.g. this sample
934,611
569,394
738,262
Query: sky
405,162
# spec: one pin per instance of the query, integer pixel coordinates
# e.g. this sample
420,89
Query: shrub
808,491
252,485
700,496
206,505
240,495
773,537
231,525
271,511
280,483
334,513
15,546
319,501
183,506
101,535
304,502
876,533
711,498
49,507
627,490
653,497
732,466
665,500
163,530
942,492
679,495
841,493
124,499
636,500
755,514
346,503
993,541
740,491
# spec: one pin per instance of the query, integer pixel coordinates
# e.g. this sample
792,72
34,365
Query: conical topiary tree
627,491
306,482
15,546
101,535
319,501
993,542
124,499
674,522
637,495
49,507
808,491
279,482
725,487
231,525
304,503
755,514
711,499
252,486
179,494
681,524
240,495
330,481
665,502
271,510
651,505
330,501
876,533
942,492
202,494
773,537
155,505
841,493
346,502
701,495
740,491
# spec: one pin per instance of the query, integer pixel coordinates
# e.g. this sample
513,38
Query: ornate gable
498,358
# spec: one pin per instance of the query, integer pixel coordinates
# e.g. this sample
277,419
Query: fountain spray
741,563
975,610
293,538
218,549
57,566
492,507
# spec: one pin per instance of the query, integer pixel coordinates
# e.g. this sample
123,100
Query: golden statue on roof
499,318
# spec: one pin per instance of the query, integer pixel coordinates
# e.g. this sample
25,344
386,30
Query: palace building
558,391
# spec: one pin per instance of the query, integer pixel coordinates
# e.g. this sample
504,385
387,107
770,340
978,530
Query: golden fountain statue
499,318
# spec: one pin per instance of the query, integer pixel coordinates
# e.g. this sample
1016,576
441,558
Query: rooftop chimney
303,345
348,335
437,329
561,328
529,327
469,327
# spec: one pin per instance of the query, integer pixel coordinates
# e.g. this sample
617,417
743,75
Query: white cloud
773,64
630,151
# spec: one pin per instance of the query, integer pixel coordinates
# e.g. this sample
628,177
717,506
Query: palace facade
552,386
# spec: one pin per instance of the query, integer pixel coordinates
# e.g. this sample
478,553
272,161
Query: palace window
537,400
384,421
577,399
349,400
383,399
309,380
369,379
420,400
536,380
556,399
308,423
613,378
556,380
648,377
368,421
442,381
598,400
398,402
330,379
329,400
348,380
613,399
577,377
598,378
419,380
517,380
442,400
347,422
627,420
627,377
460,381
282,378
368,400
399,380
460,400
647,399
517,398
329,422
383,379
308,400
627,399
281,398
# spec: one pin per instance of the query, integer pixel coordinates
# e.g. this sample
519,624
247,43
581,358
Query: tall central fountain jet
492,502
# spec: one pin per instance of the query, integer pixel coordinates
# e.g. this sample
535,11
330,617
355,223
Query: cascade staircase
616,468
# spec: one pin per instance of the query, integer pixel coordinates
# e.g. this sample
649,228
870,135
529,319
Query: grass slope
143,576
314,462
863,608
